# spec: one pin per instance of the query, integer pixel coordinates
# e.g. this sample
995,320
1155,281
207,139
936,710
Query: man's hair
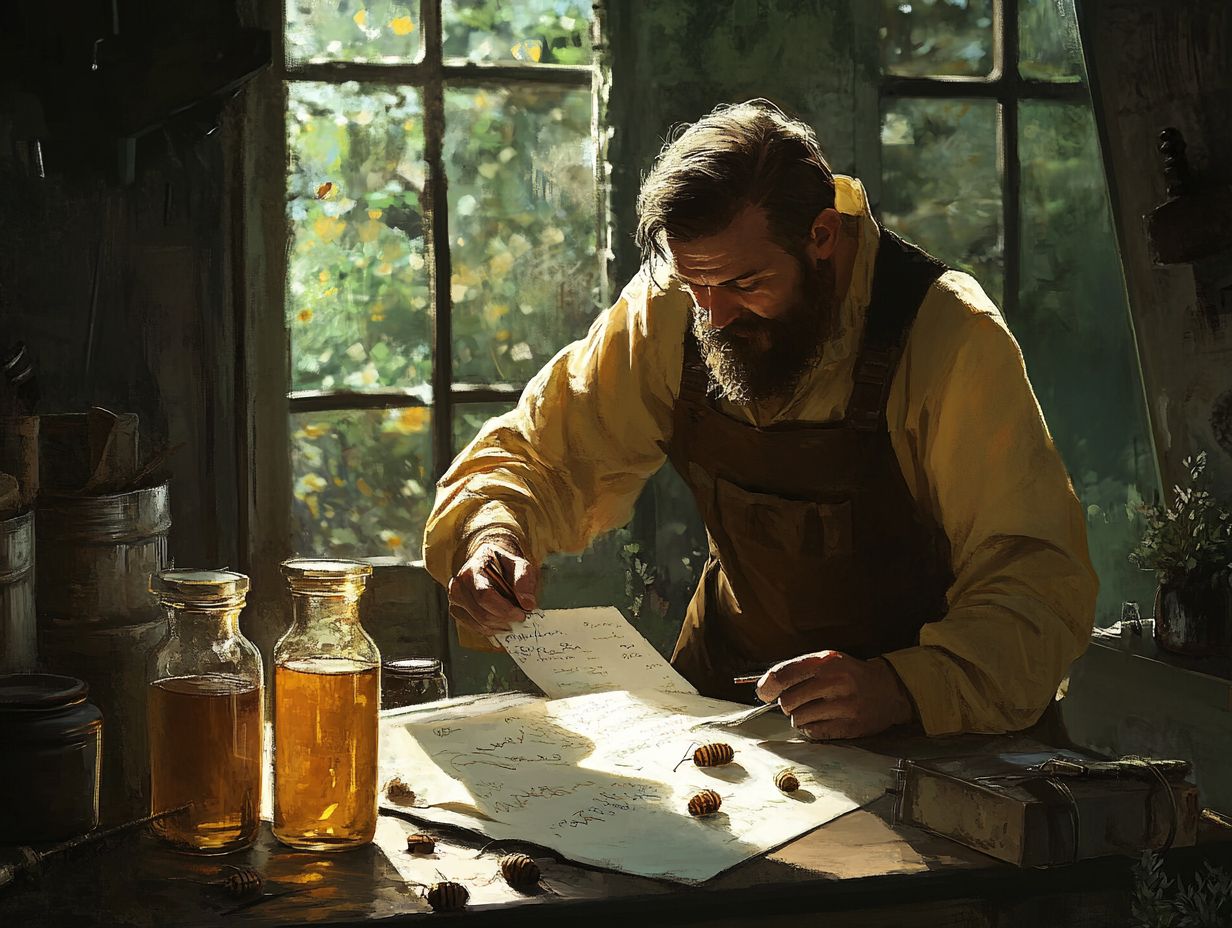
738,155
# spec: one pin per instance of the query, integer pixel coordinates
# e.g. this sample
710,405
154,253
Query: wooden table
858,870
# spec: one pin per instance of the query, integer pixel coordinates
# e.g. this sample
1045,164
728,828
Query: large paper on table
596,774
592,777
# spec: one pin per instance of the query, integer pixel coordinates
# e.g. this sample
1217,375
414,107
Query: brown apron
815,540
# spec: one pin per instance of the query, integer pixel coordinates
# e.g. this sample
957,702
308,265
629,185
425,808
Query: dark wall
1158,64
121,294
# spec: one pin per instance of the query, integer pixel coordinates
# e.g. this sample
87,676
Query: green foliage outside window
922,38
526,272
528,31
521,171
940,187
380,31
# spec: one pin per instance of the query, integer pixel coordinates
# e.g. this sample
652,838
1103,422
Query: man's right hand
478,603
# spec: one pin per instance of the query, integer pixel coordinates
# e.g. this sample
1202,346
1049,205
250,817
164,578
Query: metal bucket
113,662
98,553
18,635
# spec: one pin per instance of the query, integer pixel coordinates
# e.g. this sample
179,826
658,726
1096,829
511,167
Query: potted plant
1189,546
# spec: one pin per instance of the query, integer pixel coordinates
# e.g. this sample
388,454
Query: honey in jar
325,713
204,708
326,702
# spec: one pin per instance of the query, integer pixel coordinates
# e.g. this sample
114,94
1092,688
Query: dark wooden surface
858,870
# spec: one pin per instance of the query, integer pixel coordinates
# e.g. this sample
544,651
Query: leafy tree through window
443,241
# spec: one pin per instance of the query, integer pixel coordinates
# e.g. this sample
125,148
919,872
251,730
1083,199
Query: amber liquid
205,748
325,752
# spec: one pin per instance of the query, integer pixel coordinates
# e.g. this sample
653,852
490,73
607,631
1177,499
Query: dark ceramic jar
51,741
1193,616
412,682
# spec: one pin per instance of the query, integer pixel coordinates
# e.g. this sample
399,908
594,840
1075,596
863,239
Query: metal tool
33,860
498,579
1127,768
736,719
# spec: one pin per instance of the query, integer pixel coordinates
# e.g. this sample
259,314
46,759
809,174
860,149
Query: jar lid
40,690
309,568
413,667
200,587
326,577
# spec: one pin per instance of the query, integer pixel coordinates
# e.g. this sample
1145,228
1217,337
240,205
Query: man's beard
753,359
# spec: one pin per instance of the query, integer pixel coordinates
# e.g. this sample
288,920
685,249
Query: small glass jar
51,745
205,713
327,692
412,682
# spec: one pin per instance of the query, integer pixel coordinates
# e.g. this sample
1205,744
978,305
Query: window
444,241
990,160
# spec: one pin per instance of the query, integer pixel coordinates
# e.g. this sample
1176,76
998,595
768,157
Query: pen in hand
762,709
498,579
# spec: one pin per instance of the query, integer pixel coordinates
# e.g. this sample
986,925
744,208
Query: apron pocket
805,531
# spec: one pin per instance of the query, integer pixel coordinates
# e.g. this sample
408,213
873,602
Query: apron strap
694,375
902,276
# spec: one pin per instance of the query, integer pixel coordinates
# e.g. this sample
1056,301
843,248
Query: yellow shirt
569,462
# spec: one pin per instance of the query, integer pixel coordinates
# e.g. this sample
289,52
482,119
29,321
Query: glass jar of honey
205,714
326,702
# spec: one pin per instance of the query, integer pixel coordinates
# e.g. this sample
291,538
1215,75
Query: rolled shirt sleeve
569,461
974,443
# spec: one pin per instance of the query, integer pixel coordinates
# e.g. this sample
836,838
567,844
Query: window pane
353,30
363,482
469,418
921,38
1048,45
940,187
357,286
531,31
521,164
1073,324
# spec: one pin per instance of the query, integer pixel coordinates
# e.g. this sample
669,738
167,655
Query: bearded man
890,526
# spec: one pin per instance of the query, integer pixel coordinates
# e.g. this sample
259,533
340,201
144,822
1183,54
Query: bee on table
520,870
420,844
786,780
706,802
447,896
713,755
398,791
241,881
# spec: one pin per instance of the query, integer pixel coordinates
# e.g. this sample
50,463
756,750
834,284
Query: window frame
430,76
1008,88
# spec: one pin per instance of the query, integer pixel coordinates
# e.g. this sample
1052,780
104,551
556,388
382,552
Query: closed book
1004,806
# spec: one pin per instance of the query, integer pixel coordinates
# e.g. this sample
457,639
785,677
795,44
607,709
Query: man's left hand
834,695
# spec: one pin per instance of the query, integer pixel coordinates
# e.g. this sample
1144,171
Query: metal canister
98,554
113,661
18,634
52,742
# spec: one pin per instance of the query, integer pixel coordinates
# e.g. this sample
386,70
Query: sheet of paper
598,779
569,652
